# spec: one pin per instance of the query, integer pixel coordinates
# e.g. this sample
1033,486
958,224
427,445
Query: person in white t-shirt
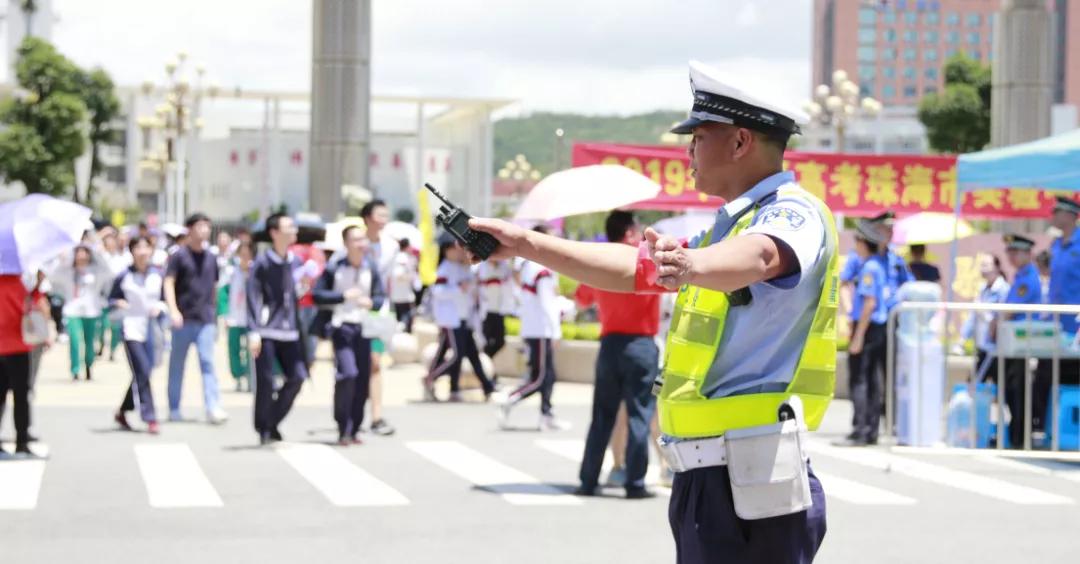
83,280
236,314
118,260
450,307
403,277
383,249
496,302
540,327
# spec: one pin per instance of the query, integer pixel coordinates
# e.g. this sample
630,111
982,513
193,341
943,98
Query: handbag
35,327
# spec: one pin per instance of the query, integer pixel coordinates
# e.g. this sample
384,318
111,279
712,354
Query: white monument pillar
1021,95
340,102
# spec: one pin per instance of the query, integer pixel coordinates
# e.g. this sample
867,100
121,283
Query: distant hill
534,136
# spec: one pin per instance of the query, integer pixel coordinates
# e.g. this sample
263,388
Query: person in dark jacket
353,288
273,332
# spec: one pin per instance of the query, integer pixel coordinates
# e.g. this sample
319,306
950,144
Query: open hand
674,264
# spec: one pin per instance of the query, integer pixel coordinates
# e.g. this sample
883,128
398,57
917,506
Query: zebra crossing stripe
574,450
20,482
514,486
343,483
1038,467
173,477
967,481
858,493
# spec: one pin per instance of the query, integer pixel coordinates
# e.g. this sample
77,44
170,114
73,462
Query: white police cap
716,98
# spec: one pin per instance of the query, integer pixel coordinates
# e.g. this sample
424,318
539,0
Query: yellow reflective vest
697,326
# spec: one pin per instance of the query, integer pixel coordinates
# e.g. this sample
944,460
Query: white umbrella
398,230
36,228
686,225
586,189
930,227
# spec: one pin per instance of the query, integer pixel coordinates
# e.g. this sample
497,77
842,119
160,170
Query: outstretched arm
609,266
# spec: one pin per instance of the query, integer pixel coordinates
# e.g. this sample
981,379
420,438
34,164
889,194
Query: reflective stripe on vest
697,325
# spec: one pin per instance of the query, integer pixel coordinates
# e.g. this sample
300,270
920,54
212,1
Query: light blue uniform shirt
894,267
1026,289
852,266
978,323
871,283
896,275
1065,276
763,340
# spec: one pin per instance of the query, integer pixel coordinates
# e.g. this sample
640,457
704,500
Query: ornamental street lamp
520,173
177,120
833,106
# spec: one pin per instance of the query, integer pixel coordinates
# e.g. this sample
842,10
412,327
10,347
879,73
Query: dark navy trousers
625,370
707,530
141,359
352,378
271,406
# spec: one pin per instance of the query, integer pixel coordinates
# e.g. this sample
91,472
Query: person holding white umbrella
33,230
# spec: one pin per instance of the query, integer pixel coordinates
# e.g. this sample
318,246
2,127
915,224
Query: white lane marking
343,483
20,482
513,485
1039,467
173,477
974,483
574,450
858,493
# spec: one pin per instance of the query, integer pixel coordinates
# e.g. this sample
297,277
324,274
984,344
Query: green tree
957,120
99,95
534,135
44,126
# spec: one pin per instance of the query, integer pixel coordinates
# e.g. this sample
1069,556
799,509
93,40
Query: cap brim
687,126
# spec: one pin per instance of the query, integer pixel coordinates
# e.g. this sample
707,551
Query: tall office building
895,49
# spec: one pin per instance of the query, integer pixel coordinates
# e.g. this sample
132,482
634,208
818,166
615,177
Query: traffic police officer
1026,289
751,354
866,349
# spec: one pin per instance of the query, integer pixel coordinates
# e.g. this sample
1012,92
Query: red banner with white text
861,185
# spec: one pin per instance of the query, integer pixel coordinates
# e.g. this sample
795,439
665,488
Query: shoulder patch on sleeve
1022,290
784,218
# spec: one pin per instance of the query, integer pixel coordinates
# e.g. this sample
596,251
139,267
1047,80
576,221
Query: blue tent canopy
1052,163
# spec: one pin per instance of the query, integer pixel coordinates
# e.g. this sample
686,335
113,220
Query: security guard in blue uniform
896,274
1064,289
866,349
753,330
1026,289
896,268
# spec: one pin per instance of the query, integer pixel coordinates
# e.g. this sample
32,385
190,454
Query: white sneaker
217,416
616,478
503,414
667,477
550,423
429,391
456,397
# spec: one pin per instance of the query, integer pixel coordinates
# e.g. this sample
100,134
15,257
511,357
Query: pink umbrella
586,189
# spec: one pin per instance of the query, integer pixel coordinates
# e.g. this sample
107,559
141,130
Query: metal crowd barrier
1053,311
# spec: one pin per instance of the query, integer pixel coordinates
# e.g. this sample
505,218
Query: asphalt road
450,487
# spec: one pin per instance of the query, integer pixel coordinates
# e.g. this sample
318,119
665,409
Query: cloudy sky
590,56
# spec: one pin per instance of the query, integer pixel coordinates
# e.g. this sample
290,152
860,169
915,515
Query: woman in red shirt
15,298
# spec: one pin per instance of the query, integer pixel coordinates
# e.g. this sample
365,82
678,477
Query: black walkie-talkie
456,222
